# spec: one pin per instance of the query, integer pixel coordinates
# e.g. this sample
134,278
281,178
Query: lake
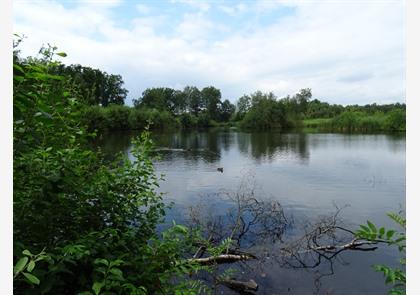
309,174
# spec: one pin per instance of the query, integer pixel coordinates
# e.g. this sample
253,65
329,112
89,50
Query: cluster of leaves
394,276
92,222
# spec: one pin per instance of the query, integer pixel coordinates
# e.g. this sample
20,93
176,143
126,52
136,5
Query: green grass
315,123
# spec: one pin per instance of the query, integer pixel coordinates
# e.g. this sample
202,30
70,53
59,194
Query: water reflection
208,145
305,173
269,242
261,147
266,146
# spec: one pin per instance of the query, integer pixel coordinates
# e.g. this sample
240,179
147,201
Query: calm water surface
309,174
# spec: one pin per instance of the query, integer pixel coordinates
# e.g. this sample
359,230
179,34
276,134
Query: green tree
194,99
212,100
227,109
243,106
95,87
265,113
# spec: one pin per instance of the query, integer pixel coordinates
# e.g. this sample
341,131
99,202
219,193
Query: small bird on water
220,169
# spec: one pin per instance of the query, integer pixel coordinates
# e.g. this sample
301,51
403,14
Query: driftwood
224,258
353,245
240,286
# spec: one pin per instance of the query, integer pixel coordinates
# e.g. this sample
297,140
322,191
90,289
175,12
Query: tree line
104,96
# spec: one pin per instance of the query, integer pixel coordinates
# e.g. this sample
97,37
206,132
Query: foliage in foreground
83,225
394,276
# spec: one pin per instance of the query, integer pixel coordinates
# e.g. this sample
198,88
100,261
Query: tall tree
227,110
212,99
194,99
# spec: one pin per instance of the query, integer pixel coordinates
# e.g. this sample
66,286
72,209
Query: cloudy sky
347,51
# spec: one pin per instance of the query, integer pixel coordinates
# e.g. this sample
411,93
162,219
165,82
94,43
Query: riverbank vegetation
83,225
165,108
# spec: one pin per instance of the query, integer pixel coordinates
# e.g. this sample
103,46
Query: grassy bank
350,121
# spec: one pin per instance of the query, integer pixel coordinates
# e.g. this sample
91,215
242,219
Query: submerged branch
240,286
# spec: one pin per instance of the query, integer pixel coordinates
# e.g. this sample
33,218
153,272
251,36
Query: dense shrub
203,120
83,225
117,117
160,119
94,118
355,121
395,120
137,119
348,121
188,120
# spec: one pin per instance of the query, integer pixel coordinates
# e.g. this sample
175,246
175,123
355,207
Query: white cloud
234,10
143,9
347,52
200,5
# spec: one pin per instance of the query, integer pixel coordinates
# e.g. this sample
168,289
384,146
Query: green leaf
371,226
101,261
26,252
17,67
116,262
62,54
389,234
20,265
364,228
180,229
31,266
31,278
381,232
117,272
97,286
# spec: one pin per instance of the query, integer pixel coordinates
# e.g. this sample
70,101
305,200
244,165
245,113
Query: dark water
309,174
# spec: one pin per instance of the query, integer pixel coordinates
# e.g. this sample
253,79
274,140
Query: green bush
94,118
137,119
347,121
117,117
188,120
203,120
395,120
92,222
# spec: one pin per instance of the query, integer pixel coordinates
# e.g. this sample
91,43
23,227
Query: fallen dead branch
355,244
224,258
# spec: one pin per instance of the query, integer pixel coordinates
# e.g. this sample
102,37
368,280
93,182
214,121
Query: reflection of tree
247,219
207,145
113,143
258,227
265,146
191,146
